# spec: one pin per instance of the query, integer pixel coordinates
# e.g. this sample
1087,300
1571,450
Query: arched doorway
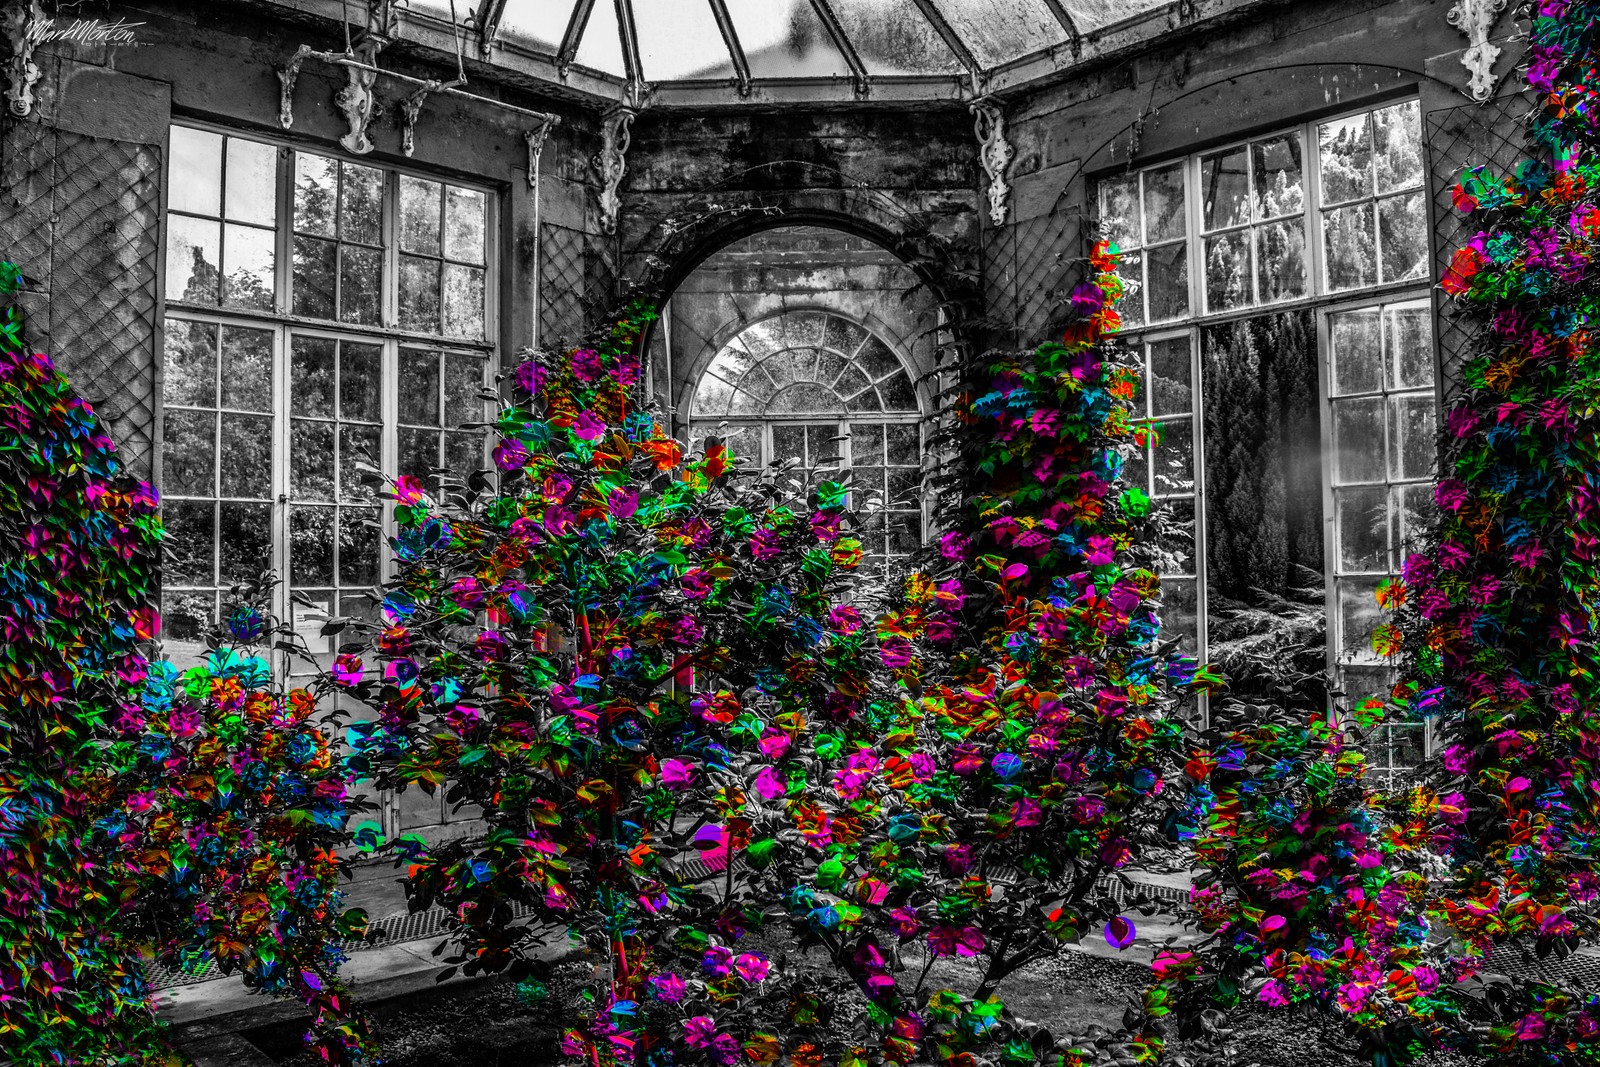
806,349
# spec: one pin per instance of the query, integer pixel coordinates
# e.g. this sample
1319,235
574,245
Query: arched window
822,389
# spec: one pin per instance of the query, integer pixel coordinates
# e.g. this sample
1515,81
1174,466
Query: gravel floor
494,1024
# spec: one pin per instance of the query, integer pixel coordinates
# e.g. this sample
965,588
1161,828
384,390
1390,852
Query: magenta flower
769,784
347,669
668,987
510,455
945,940
530,377
586,366
753,968
765,544
954,545
699,1031
677,775
697,584
408,489
587,427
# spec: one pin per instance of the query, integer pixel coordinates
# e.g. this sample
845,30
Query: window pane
1346,159
865,401
1169,390
1403,236
360,203
311,376
1169,282
1412,420
1174,458
904,444
805,398
463,301
419,452
1163,204
463,453
1351,255
463,381
195,177
1226,188
419,387
247,448
1358,441
464,224
897,394
314,276
190,363
1136,468
419,215
311,460
194,250
803,328
1357,365
844,336
1131,306
188,453
1362,682
1363,529
789,442
1179,540
712,396
905,532
1281,261
1408,335
1275,170
1228,271
187,542
876,359
358,546
246,368
1119,211
311,546
1397,140
248,268
905,487
357,444
734,362
359,272
1414,511
316,193
252,182
185,618
850,382
1359,615
360,367
244,541
419,294
1179,612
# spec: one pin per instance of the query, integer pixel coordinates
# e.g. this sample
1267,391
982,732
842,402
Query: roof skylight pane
783,39
679,39
998,31
541,23
601,47
893,37
1090,15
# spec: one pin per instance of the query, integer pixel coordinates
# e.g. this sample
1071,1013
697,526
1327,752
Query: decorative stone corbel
611,163
994,152
1476,18
536,139
357,100
17,20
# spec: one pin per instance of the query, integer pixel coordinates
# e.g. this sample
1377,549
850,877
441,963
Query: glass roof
684,40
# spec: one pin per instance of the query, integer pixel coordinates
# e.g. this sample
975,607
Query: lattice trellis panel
560,283
1030,270
1489,134
80,215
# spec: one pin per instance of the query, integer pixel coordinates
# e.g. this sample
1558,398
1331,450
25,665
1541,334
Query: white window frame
1318,297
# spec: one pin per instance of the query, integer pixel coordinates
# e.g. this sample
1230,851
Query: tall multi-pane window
1164,466
1381,407
1284,225
824,391
326,319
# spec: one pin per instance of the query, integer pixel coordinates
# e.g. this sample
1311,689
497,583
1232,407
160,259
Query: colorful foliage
145,813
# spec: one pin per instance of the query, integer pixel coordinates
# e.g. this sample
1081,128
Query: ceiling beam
952,40
730,37
574,35
835,30
628,32
487,20
1063,16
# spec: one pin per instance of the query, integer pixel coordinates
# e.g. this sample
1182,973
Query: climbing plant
147,814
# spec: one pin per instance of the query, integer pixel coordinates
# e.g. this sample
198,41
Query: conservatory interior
282,244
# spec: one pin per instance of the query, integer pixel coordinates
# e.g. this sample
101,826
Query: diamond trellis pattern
1031,268
1491,133
560,283
80,216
